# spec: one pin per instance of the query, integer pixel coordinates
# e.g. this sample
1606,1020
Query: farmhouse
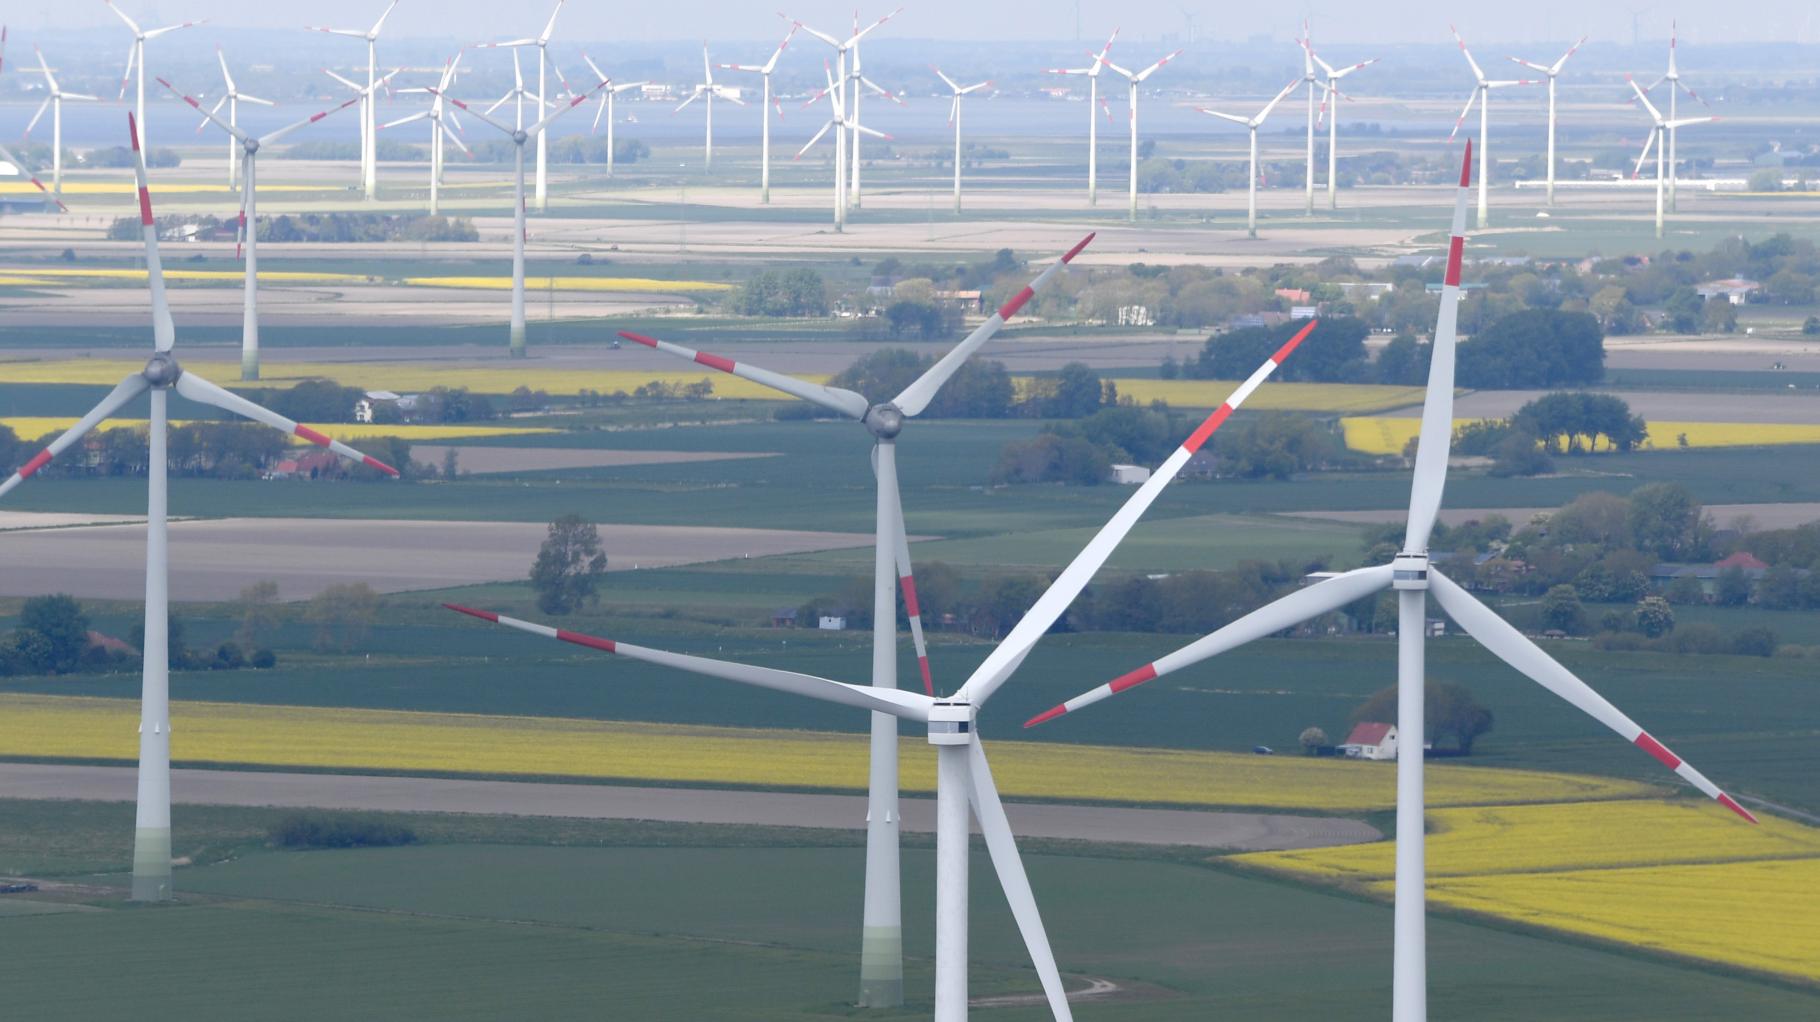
1371,740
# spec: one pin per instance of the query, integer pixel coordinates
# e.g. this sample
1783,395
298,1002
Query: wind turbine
881,957
1252,124
232,98
1673,78
850,110
1413,579
963,777
1552,71
1660,133
1314,85
162,374
438,115
860,84
25,171
1092,71
838,120
954,118
1481,94
764,112
542,42
135,58
519,136
1134,81
369,139
1332,94
54,102
249,215
706,88
606,105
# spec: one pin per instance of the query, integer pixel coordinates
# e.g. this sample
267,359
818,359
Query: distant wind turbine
1134,80
764,113
1092,72
1481,94
1553,71
1252,124
54,101
954,118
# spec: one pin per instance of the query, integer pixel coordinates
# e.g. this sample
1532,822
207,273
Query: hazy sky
1360,21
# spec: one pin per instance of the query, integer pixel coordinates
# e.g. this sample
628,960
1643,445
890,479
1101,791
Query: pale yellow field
574,284
1758,915
350,739
33,427
40,275
1372,435
1304,397
1583,835
127,187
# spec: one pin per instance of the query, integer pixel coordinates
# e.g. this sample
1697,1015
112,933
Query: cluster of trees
206,449
391,150
1449,713
980,389
122,156
53,637
327,401
1650,624
567,572
798,292
588,149
1568,422
322,227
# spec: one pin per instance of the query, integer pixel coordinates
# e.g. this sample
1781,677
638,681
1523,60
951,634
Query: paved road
1225,831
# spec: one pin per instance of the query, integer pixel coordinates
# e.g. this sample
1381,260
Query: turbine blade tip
1046,716
1466,166
1730,803
484,615
1076,250
649,342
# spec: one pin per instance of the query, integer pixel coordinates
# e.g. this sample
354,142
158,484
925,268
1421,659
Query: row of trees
53,637
208,449
798,292
320,227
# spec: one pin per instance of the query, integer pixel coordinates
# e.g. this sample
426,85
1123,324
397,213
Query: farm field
1391,435
38,426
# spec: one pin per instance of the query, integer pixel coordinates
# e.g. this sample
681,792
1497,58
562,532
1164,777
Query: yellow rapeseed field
1376,435
1758,915
647,284
1487,840
32,427
41,275
356,739
1304,397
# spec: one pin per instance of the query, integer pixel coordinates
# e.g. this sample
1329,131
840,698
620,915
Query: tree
1051,458
1077,393
1403,362
1449,711
1535,348
59,618
568,566
1684,308
1754,641
1520,454
1665,520
922,320
1561,419
260,614
1313,739
343,615
1719,316
1685,590
1561,609
1334,352
1733,588
1275,444
1654,617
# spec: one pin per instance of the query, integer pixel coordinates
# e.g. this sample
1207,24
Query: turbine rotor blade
1437,404
164,332
123,392
25,171
203,392
846,402
1002,845
907,583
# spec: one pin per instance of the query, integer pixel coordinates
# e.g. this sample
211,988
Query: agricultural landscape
455,819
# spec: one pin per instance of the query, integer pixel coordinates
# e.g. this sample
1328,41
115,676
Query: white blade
1470,100
945,79
483,117
550,26
1343,72
129,22
1682,123
418,116
1147,72
1272,105
1234,118
880,90
244,98
458,143
43,68
1649,143
203,392
307,121
1512,647
811,143
1532,65
24,170
862,129
917,396
693,96
164,334
907,583
1571,50
1437,405
377,25
124,391
1002,846
1477,73
126,77
168,29
42,107
344,81
834,399
907,705
1299,606
998,665
1655,115
208,115
861,34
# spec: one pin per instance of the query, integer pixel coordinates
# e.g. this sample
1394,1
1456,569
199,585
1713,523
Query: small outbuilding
1130,475
1371,740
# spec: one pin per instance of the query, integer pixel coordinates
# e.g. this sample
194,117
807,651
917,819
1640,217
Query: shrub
1756,641
338,830
264,659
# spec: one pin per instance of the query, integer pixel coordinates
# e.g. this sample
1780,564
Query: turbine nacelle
951,723
162,370
884,420
1409,571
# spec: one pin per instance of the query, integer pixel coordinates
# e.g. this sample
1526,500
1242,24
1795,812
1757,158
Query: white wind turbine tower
369,139
54,102
1673,78
849,111
964,779
439,117
519,136
954,118
542,42
249,215
1331,95
764,112
1314,85
706,89
232,98
1660,132
1092,71
1252,124
1552,71
162,374
1481,94
838,121
606,104
1134,80
1414,579
135,59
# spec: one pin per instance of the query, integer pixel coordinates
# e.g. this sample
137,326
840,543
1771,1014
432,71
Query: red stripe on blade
373,462
910,606
1009,309
725,365
1466,166
1657,749
1300,336
484,615
1456,252
928,682
1134,679
311,435
1076,250
1726,801
39,460
1046,716
585,640
1194,442
649,342
132,125
145,205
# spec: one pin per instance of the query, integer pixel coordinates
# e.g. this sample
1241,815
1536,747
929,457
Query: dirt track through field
491,460
1763,516
1100,824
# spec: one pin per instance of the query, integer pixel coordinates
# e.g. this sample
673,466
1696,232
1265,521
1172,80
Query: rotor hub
251,146
519,137
162,370
885,421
